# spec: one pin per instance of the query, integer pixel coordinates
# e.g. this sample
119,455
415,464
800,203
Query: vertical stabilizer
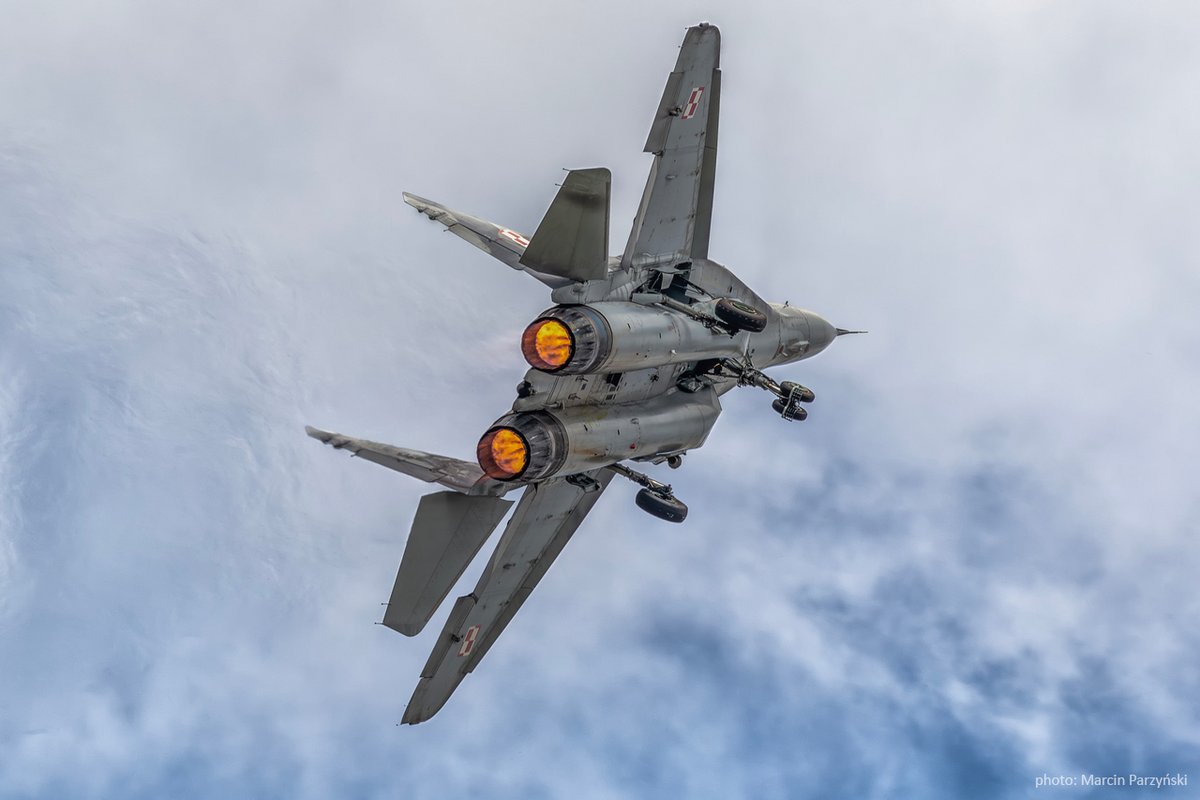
446,534
572,239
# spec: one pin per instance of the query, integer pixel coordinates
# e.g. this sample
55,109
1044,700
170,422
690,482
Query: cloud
971,565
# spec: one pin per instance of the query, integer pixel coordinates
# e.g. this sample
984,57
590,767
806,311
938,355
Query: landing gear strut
656,498
788,395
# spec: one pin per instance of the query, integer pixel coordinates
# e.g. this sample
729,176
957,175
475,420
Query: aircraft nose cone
820,333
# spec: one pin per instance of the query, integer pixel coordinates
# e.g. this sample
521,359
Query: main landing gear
656,498
739,316
728,315
788,395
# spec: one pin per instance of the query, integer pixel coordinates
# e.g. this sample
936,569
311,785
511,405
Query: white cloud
203,248
13,438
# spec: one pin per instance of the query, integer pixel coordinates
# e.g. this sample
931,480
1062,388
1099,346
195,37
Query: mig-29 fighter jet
627,366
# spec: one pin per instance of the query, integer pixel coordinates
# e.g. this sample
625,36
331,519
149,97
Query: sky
972,567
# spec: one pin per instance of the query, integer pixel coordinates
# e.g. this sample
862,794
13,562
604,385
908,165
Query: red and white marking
512,235
693,103
468,641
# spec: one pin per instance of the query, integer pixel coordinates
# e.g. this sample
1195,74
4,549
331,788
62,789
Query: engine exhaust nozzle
547,344
526,446
503,453
567,339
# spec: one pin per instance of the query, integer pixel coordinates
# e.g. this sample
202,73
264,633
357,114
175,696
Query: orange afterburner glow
502,454
547,345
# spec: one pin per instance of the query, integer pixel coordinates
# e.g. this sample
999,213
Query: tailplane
502,244
461,476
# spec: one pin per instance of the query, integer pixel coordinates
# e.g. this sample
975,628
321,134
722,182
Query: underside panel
567,391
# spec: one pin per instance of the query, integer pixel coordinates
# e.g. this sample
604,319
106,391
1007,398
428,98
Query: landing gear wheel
792,412
667,508
739,315
798,392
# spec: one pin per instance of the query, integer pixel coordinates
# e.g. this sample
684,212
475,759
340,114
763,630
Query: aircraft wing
546,517
676,209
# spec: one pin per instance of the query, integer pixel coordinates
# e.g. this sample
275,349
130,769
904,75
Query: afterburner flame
503,454
547,345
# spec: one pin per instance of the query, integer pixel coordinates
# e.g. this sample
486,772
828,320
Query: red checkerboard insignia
693,103
512,235
468,641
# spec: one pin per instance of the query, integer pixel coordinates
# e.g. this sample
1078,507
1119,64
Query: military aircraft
627,366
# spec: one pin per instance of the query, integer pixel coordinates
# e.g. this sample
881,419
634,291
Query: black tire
667,508
802,393
739,315
795,413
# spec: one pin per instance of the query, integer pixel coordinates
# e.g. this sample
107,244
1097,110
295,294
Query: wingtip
428,208
417,711
407,627
318,434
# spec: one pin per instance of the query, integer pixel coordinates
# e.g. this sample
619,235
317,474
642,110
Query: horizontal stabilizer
572,239
446,534
503,244
461,476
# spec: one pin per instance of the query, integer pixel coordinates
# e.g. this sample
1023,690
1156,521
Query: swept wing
675,214
546,516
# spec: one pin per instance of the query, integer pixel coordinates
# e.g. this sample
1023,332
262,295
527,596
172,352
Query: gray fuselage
644,399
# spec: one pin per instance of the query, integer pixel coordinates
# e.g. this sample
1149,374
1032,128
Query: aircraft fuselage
625,378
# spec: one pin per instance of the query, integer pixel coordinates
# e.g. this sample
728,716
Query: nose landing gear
788,395
791,411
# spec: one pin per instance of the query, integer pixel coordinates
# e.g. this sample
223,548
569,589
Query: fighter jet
627,366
